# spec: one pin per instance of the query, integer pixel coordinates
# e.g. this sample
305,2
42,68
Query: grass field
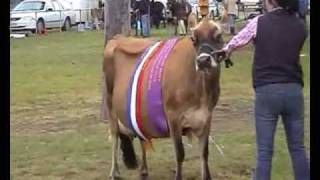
55,127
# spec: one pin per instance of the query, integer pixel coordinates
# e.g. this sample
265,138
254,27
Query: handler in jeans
143,7
303,9
278,36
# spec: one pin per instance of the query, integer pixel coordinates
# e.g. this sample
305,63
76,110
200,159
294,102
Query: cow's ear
193,39
218,37
193,36
218,33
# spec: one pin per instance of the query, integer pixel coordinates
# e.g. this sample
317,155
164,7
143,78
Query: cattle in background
190,91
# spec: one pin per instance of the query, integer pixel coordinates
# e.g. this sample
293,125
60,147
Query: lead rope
217,146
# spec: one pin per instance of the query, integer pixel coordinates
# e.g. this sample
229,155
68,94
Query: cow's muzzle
205,60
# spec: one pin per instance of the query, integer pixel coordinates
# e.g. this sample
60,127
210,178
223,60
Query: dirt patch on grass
48,117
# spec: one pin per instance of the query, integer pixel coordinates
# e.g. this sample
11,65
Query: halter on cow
189,86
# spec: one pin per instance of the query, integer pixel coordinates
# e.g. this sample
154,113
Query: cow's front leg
204,151
144,167
176,136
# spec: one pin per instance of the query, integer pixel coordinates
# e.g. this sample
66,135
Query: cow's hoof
144,177
207,178
178,177
115,176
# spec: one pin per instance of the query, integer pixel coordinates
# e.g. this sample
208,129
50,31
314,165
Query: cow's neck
207,84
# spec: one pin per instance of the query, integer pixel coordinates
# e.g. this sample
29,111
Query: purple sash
154,92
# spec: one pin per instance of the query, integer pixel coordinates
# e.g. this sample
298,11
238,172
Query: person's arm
247,34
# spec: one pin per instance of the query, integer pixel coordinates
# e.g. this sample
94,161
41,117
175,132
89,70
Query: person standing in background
152,14
156,9
230,7
182,11
144,11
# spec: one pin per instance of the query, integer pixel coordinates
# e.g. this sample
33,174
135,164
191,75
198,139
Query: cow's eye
218,37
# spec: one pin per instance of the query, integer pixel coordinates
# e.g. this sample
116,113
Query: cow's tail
128,153
104,105
107,80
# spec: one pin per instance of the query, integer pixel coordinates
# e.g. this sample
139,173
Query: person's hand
227,59
228,53
223,55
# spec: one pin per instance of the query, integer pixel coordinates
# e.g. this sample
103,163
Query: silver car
38,15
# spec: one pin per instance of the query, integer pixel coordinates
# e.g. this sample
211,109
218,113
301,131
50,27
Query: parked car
36,15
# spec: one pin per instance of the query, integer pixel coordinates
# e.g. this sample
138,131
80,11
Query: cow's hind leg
176,135
144,167
114,172
107,113
204,151
114,129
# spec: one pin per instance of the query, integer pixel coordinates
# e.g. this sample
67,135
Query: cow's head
207,38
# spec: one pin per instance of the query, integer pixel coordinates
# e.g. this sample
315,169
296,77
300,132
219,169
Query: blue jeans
272,101
231,20
145,20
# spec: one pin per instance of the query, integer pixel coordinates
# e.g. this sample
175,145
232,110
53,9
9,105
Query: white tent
83,6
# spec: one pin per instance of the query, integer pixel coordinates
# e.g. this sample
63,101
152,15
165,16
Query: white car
36,15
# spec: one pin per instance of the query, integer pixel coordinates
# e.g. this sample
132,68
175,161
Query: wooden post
116,18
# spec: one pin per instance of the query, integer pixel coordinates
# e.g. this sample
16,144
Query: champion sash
152,60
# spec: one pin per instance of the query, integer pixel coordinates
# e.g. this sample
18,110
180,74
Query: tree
116,18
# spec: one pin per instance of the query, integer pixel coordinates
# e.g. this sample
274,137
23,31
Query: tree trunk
116,21
117,18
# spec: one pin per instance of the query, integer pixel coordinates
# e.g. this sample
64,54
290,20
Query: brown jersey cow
190,91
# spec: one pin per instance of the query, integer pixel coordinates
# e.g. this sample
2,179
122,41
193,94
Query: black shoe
232,30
